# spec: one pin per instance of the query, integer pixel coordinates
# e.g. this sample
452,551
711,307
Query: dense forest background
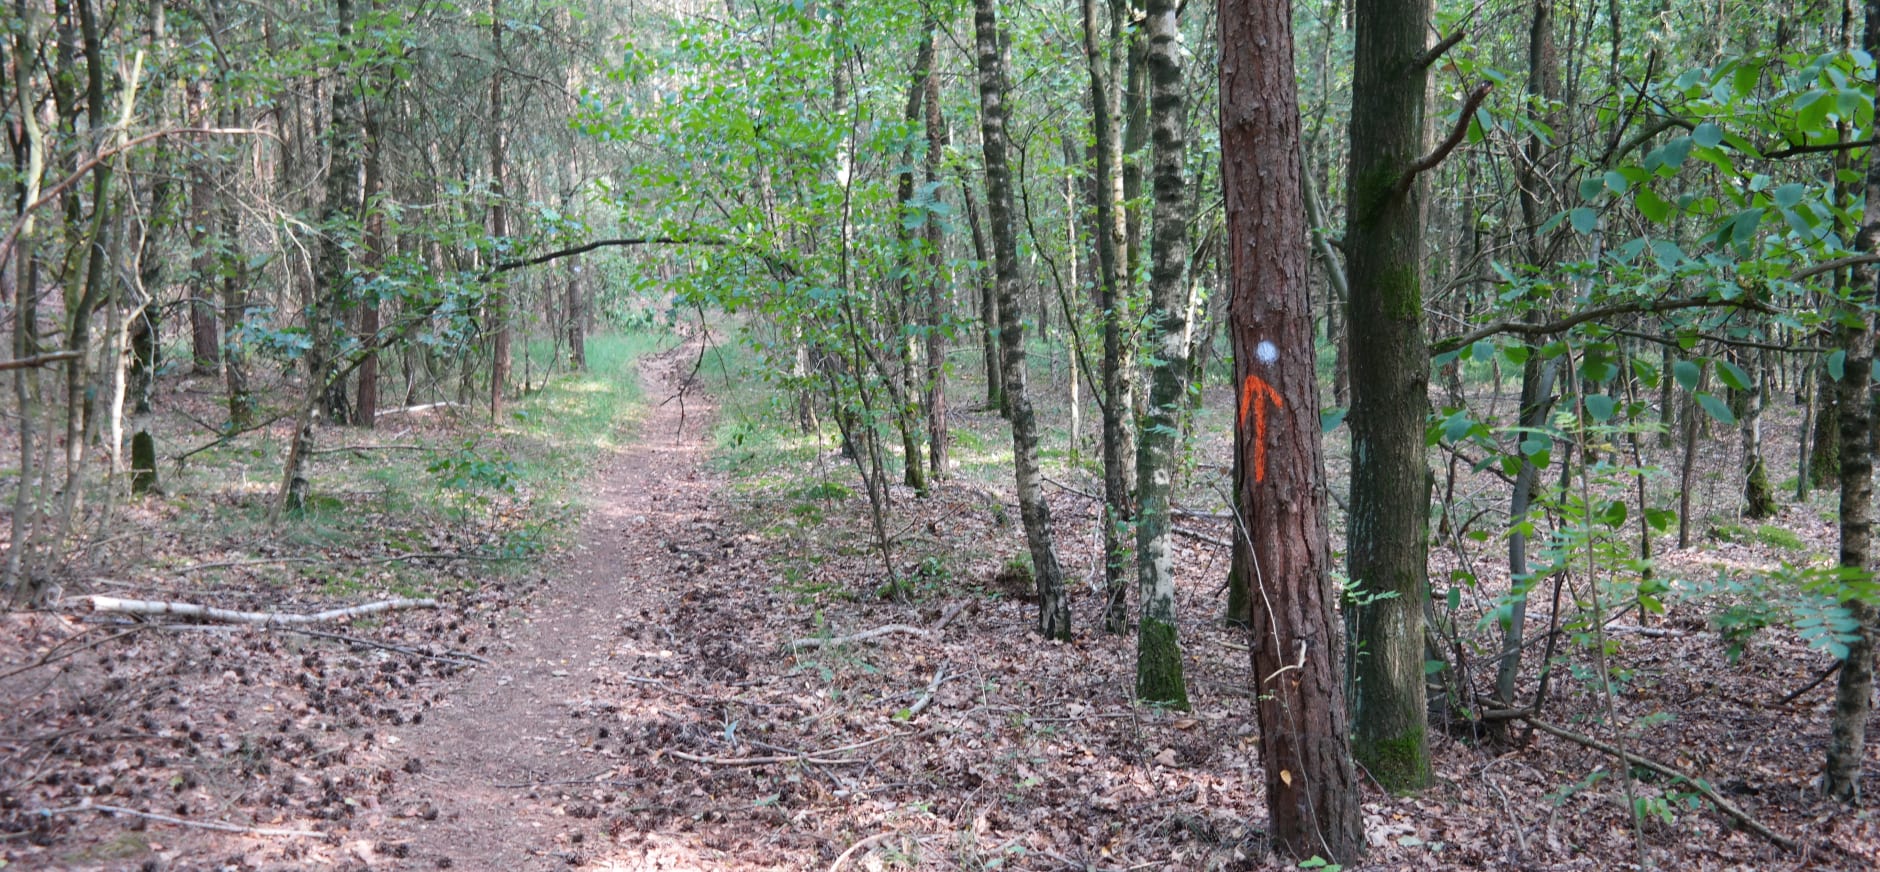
1504,353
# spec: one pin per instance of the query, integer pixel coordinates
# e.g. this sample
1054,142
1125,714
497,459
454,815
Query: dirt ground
674,693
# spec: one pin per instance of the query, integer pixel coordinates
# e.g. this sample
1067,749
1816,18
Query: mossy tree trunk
1388,541
1312,788
1054,612
1158,648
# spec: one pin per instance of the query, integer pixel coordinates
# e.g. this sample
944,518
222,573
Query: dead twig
88,805
1825,673
1724,805
863,636
48,657
862,845
455,658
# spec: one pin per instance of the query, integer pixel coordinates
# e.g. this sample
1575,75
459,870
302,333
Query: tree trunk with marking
1311,787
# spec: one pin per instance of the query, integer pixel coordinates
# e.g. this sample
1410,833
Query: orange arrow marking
1252,392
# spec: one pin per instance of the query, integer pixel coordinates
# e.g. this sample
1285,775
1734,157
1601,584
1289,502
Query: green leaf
1616,182
1613,514
1457,425
1535,443
1733,375
1584,219
1653,207
1331,418
1744,230
1600,407
1660,519
1591,188
1747,74
1687,373
1790,194
1717,408
1675,152
1707,134
1516,355
1837,365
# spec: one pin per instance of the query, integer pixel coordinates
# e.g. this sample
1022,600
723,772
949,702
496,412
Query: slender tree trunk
1853,691
332,273
1387,536
1312,790
989,319
1759,499
204,335
1537,374
234,294
499,217
938,283
908,397
1054,612
1112,240
1158,649
372,260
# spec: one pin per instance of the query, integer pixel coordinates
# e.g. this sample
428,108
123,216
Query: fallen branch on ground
1710,793
219,827
1200,537
412,410
229,616
926,696
886,630
358,448
765,761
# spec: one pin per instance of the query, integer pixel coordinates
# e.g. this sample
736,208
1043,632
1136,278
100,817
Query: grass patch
1769,535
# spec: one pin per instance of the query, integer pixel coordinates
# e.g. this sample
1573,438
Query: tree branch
39,359
1436,52
1430,161
1562,325
508,265
1837,263
8,243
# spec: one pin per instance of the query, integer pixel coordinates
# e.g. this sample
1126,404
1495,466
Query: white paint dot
1266,352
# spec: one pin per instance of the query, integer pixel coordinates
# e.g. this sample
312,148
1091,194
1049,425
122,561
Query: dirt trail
506,773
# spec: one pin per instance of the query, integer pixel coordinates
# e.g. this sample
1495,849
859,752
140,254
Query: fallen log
115,605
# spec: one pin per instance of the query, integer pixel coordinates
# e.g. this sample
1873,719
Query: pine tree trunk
1387,537
1312,790
1054,612
1158,649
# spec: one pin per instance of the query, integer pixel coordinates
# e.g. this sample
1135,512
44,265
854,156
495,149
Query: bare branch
1430,161
1630,307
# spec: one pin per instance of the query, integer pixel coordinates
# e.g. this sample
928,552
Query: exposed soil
642,707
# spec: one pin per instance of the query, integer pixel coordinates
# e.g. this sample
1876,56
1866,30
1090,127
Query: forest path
512,770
